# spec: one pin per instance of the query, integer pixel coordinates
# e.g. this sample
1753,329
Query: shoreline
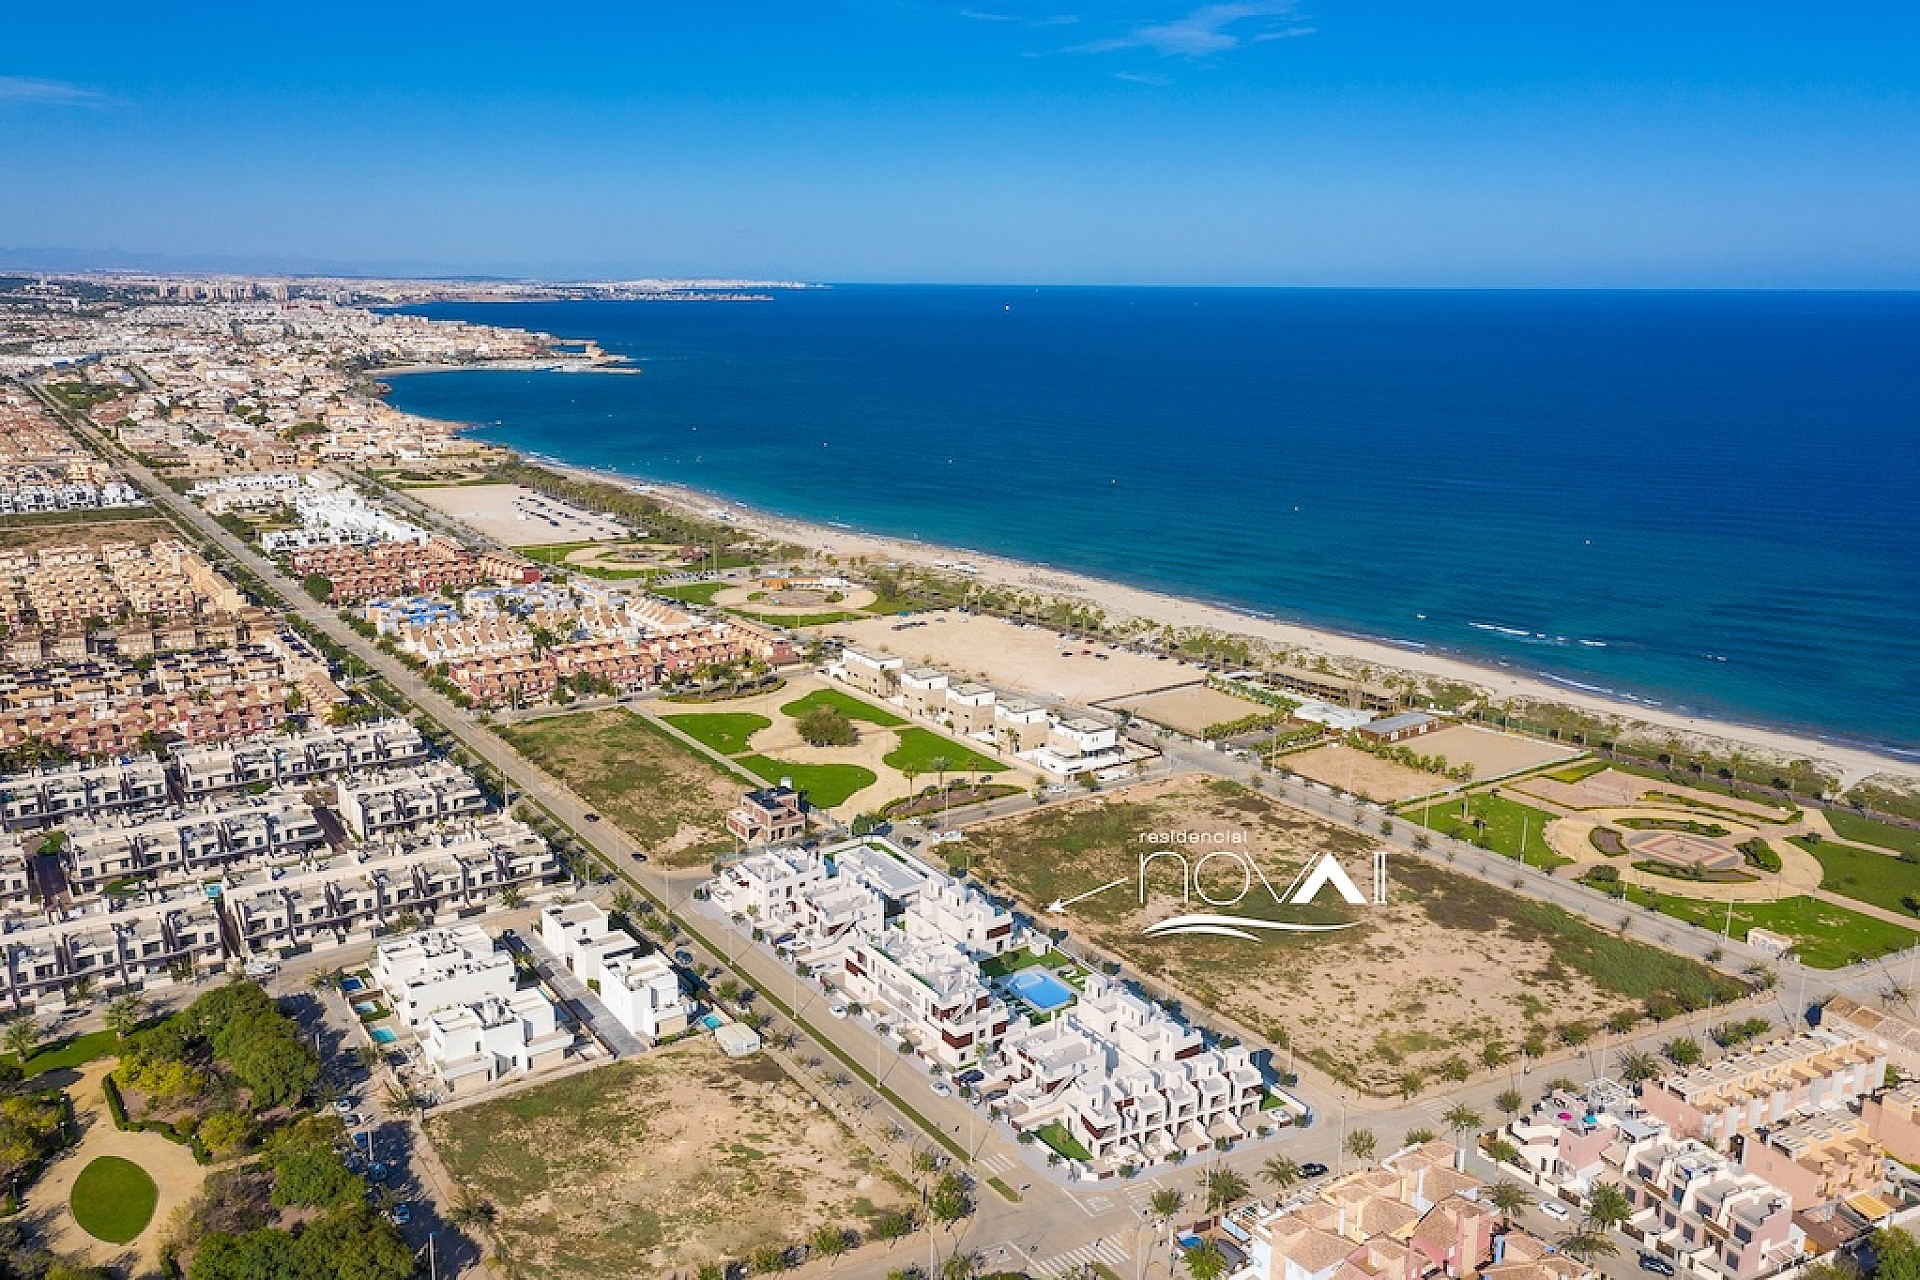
1853,761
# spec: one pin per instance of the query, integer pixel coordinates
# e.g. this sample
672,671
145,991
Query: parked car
941,1089
683,956
343,1105
1313,1169
1555,1210
1655,1263
837,1010
593,817
402,1214
970,1077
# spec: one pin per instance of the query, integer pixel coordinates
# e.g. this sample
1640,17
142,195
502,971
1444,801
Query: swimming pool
352,985
711,1021
383,1036
365,1007
1041,990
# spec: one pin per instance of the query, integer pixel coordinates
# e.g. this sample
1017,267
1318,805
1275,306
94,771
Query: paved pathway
171,1164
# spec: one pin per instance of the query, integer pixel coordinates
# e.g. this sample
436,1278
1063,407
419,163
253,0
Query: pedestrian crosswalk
1107,1250
996,1163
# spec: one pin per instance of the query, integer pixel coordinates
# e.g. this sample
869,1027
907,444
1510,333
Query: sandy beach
1119,600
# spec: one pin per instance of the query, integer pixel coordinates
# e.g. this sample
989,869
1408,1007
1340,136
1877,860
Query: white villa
638,986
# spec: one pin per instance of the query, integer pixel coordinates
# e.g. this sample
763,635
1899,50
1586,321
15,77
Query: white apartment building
1077,746
399,800
187,842
770,886
637,984
46,796
295,759
923,691
339,518
152,942
1692,1205
434,969
876,674
498,1036
1132,1083
953,911
353,896
1019,725
931,991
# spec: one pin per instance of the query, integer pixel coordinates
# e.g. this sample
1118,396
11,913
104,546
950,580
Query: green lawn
692,592
728,732
920,748
827,786
1868,875
1825,936
853,708
794,620
1578,772
72,1052
1013,961
113,1199
1055,1135
1506,821
1851,826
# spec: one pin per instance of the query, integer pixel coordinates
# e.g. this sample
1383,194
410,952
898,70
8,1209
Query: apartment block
635,982
770,815
296,759
188,843
497,1037
1692,1205
1815,1159
434,969
153,941
1766,1085
66,792
874,674
399,800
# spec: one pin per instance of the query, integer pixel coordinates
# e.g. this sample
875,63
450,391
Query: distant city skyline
1245,142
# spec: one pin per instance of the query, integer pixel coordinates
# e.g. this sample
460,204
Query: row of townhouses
633,980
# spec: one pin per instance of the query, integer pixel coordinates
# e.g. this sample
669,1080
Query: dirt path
171,1164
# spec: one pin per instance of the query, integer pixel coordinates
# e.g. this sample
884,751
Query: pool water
711,1021
351,985
365,1006
383,1036
1041,990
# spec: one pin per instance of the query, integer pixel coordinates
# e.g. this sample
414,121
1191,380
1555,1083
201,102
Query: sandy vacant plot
1618,789
85,529
1491,753
1192,709
654,1166
1030,659
1446,967
671,799
518,516
1354,770
796,601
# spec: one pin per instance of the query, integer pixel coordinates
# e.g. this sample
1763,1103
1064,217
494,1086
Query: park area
670,798
657,1166
864,753
1366,1005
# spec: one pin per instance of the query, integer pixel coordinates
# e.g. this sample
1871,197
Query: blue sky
1363,142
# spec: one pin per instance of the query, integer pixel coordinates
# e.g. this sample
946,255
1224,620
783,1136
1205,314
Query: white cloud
49,93
1209,30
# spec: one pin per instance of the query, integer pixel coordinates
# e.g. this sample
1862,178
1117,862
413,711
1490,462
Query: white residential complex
461,997
636,983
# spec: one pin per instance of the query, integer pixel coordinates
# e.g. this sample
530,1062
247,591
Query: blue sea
1705,501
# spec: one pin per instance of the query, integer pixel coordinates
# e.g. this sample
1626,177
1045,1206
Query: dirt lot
85,529
1029,659
1617,789
1491,753
1354,770
654,1166
1191,710
517,516
1446,967
671,800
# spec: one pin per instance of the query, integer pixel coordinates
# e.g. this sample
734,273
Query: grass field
692,592
853,708
113,1199
1825,936
1851,826
72,1052
919,749
801,619
827,786
657,1166
1578,772
1506,822
1868,875
667,796
728,732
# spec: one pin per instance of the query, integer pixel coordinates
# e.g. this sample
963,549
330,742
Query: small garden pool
1041,990
383,1036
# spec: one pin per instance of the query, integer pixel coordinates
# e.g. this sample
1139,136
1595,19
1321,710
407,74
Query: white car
837,1010
941,1089
1555,1210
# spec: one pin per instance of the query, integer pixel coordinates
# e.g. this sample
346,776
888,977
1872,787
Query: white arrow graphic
1057,905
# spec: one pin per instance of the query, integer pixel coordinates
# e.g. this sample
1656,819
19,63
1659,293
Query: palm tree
1281,1171
1206,1262
1361,1144
1584,1244
963,1264
1509,1198
124,1015
21,1035
1607,1206
1637,1065
1462,1119
400,1100
1509,1101
1224,1188
325,980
